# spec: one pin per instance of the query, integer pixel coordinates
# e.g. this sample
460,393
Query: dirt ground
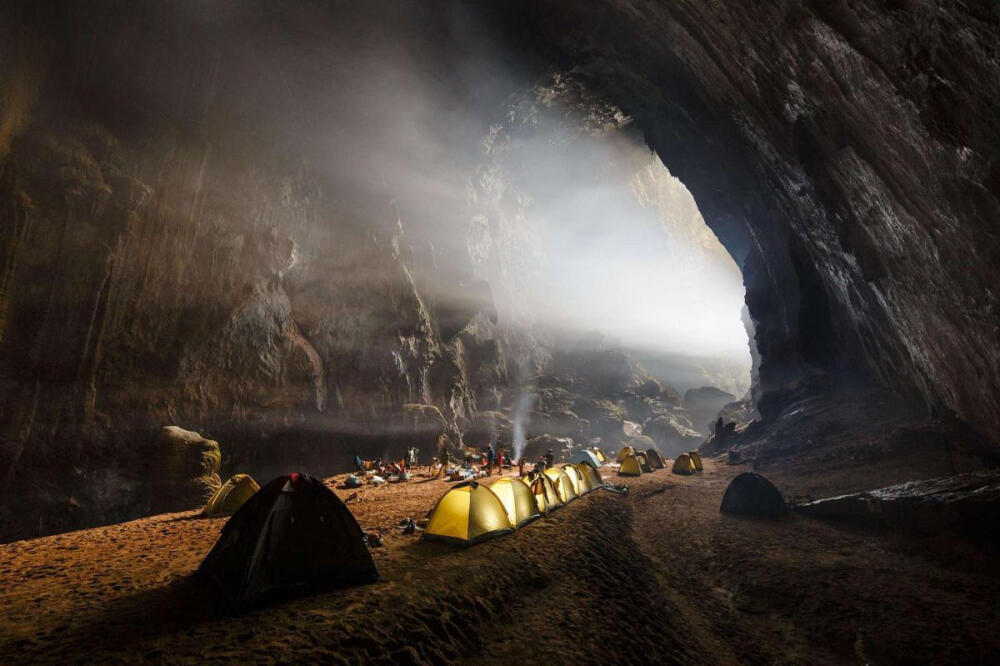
655,576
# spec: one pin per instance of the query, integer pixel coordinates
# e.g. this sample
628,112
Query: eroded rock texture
846,154
179,246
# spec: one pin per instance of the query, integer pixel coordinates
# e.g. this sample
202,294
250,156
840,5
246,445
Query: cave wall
846,153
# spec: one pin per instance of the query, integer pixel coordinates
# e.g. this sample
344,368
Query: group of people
493,458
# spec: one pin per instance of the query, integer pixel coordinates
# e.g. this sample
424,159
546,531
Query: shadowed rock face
176,248
846,154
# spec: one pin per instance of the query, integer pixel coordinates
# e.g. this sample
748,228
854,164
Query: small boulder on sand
184,469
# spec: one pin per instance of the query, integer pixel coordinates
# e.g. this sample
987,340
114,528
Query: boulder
184,469
968,504
750,494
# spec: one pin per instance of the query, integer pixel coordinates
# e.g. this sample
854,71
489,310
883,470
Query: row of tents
634,462
471,512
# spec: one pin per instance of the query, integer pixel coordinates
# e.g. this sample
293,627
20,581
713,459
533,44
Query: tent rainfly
585,456
630,467
683,465
696,460
656,460
293,535
517,500
231,496
467,514
562,483
625,452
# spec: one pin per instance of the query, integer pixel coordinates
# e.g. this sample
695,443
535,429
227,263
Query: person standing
500,457
520,466
548,459
445,459
491,457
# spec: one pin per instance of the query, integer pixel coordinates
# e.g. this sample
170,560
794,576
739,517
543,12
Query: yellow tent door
467,514
517,500
630,467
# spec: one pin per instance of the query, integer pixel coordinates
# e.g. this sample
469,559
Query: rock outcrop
183,469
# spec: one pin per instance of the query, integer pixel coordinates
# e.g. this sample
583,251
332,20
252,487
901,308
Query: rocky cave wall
846,153
174,249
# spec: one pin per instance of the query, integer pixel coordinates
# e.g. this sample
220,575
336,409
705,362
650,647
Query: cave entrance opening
614,252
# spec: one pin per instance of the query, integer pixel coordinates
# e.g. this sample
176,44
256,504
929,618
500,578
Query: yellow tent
517,500
545,493
643,462
563,484
231,496
591,474
684,465
600,454
582,482
574,477
630,467
467,514
625,452
696,459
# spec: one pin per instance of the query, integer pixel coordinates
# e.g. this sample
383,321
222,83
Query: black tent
750,494
293,535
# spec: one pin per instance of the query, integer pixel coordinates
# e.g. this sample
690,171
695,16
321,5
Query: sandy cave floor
657,576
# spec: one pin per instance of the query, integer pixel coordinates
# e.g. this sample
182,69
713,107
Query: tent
231,496
625,452
293,535
582,479
591,474
696,459
545,493
750,494
564,487
643,463
656,461
517,500
600,455
585,456
683,465
630,467
574,477
467,514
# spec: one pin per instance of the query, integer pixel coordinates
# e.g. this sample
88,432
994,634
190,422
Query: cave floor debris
689,584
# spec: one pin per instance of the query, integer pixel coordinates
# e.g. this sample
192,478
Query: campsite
605,555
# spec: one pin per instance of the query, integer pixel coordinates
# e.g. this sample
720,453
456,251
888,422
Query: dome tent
231,496
630,467
643,462
591,474
583,485
562,483
750,494
625,452
585,456
574,477
467,514
600,455
544,492
293,535
696,460
656,460
517,500
683,465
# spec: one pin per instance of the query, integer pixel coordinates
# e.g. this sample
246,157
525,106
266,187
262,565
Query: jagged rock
425,428
183,468
703,405
671,438
965,503
750,494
